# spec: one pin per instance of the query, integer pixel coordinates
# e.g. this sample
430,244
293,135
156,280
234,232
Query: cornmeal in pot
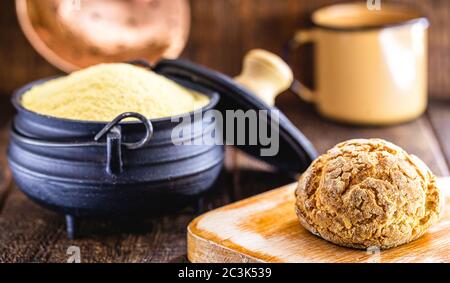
102,92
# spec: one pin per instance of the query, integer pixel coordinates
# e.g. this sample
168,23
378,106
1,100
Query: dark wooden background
223,30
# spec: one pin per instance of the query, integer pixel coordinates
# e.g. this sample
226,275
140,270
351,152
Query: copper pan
73,34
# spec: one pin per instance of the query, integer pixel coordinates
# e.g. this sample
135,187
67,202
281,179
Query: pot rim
213,96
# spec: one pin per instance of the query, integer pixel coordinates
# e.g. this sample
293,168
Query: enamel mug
370,65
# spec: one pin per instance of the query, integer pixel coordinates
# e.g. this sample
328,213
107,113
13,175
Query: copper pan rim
39,44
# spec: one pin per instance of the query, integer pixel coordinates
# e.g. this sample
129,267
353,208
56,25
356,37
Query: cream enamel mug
370,66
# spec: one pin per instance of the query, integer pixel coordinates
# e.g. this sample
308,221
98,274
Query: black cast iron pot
122,168
133,168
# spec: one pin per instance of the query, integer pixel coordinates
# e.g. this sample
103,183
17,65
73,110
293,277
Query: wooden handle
265,74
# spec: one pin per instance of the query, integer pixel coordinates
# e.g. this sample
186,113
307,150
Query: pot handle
114,163
113,132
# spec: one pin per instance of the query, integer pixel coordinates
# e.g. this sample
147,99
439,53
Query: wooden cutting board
264,228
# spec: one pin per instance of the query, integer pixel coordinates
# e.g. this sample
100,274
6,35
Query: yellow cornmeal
102,92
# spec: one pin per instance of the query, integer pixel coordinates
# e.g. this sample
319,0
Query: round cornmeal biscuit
368,193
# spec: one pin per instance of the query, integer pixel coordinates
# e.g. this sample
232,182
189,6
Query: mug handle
301,37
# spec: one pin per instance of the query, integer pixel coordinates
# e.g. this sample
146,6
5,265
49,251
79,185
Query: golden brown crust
365,193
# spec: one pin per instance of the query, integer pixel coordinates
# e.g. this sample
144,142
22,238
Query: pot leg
199,205
71,227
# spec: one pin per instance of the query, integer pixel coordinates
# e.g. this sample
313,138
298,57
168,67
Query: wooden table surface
29,233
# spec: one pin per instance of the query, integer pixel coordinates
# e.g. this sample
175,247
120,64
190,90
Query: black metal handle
148,127
114,163
113,132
